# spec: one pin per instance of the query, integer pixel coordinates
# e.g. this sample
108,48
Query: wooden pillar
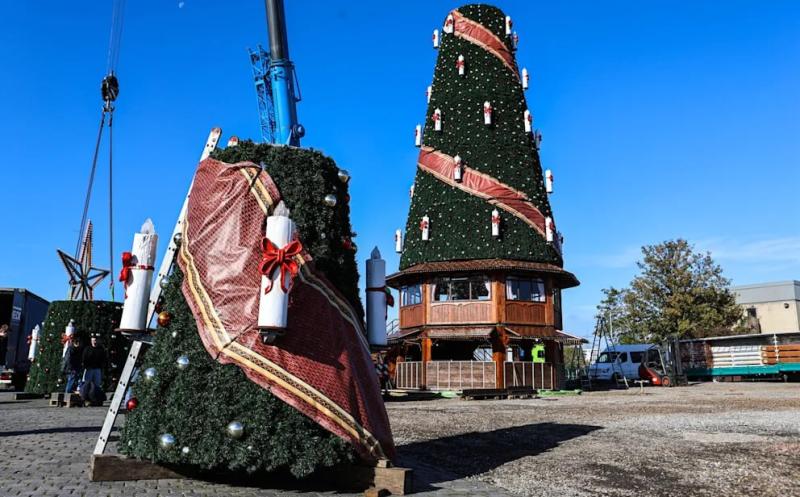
499,344
549,318
426,345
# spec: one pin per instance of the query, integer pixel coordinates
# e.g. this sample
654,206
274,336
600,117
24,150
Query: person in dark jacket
73,365
94,360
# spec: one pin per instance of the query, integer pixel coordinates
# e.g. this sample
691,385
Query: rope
85,214
115,37
111,200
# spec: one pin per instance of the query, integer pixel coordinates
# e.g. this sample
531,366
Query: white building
771,307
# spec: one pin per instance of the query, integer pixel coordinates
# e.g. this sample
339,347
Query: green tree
89,316
678,293
195,404
460,221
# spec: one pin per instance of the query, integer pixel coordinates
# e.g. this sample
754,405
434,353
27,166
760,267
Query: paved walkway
44,452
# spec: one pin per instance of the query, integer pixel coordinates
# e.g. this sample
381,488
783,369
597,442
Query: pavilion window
455,289
525,289
410,295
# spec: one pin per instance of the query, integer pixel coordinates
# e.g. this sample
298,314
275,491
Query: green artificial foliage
460,223
304,177
196,404
90,316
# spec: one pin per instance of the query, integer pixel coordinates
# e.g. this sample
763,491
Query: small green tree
678,293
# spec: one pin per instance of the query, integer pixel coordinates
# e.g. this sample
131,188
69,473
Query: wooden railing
541,376
460,312
525,312
411,315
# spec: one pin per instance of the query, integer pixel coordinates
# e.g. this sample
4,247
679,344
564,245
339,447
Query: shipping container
20,312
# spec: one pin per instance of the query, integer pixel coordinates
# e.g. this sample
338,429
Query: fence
458,375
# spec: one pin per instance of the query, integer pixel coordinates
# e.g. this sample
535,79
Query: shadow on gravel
44,431
469,454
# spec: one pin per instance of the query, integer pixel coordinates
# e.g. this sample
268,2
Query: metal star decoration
83,278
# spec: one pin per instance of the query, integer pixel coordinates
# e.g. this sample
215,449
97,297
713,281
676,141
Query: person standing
94,360
73,365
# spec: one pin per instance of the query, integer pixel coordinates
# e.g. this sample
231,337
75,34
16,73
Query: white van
620,360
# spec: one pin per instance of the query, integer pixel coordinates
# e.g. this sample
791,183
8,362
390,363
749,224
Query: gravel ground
723,439
712,439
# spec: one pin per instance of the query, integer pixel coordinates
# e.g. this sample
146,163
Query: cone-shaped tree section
195,404
500,161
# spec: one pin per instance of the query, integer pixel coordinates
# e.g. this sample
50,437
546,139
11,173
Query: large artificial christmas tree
88,317
224,405
500,167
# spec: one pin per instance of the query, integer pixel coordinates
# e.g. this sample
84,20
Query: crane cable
109,89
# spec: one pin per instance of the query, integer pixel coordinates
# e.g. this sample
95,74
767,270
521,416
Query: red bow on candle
127,264
282,259
423,225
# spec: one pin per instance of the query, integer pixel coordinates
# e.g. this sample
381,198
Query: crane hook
109,89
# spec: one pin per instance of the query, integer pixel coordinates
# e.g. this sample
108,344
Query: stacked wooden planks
775,354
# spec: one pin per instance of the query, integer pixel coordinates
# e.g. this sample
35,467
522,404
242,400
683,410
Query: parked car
621,360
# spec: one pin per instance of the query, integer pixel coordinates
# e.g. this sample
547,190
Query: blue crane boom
277,88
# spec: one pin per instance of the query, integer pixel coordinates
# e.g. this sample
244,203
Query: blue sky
660,120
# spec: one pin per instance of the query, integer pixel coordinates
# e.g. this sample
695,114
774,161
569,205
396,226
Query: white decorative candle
549,229
525,79
527,118
418,136
437,120
495,223
137,277
411,191
424,226
457,168
233,141
509,25
515,40
69,331
548,181
34,348
428,93
449,24
376,299
460,65
487,113
273,305
435,38
398,241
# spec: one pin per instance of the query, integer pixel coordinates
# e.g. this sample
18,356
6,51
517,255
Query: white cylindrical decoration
449,24
460,65
525,79
411,191
425,226
495,223
458,169
548,181
376,299
549,229
398,241
418,135
509,25
437,120
487,113
515,40
137,278
273,305
527,117
34,348
233,141
428,93
69,331
435,38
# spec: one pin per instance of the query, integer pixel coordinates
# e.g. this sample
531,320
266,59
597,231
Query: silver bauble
330,200
166,441
182,362
235,429
174,334
344,176
178,238
164,282
185,451
149,374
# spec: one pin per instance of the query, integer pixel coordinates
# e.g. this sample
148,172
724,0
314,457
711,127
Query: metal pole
281,74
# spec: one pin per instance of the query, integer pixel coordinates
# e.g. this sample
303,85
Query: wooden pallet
65,400
56,399
484,393
521,392
28,396
374,479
